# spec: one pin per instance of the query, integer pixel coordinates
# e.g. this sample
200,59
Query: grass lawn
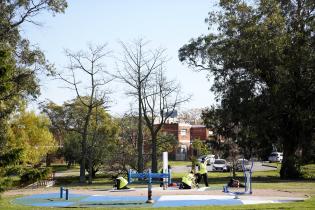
179,163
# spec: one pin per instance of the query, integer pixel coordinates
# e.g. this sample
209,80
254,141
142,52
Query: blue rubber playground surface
79,200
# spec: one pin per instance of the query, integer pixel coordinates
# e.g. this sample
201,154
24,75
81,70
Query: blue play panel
79,200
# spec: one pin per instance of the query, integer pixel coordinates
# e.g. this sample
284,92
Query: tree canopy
262,59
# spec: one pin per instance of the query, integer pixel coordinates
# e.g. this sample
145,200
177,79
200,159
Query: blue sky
166,23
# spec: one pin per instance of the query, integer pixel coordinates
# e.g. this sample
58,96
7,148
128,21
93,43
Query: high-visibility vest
187,180
123,182
203,168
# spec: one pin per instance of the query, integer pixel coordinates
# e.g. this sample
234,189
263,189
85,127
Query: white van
275,157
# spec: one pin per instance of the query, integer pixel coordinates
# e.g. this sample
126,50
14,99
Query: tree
102,133
200,147
19,63
90,65
160,99
30,133
137,65
262,57
191,116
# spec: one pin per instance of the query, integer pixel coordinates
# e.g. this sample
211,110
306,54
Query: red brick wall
171,129
184,138
199,133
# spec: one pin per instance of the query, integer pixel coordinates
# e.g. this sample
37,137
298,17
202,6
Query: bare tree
87,65
191,116
160,99
137,65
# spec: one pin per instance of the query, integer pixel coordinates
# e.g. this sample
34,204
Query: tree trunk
94,171
90,168
140,136
290,168
83,143
82,164
154,154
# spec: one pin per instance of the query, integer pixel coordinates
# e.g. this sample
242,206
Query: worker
187,181
121,183
202,166
235,183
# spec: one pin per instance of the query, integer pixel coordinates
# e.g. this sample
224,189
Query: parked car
220,165
208,158
275,157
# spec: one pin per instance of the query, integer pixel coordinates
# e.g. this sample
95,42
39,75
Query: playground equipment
62,190
166,176
247,180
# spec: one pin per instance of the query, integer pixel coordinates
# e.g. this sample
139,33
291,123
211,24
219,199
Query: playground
138,195
137,198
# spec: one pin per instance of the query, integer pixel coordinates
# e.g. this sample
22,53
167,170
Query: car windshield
219,162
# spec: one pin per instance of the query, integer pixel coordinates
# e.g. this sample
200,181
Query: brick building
185,134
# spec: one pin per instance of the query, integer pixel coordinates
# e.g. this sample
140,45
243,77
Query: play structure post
165,169
150,200
61,192
67,194
62,189
169,176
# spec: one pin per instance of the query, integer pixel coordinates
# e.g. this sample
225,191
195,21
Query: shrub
33,175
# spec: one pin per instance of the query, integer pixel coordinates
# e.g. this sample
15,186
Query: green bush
34,174
17,170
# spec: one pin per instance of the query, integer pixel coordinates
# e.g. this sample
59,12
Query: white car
208,158
275,157
220,165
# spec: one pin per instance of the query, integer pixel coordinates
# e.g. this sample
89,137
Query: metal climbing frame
247,180
149,176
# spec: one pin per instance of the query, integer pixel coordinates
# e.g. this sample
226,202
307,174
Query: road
258,166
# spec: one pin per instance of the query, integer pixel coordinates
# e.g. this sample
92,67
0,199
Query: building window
183,132
210,133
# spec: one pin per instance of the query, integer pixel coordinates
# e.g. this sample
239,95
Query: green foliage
71,149
262,59
8,159
200,147
30,132
33,174
67,123
165,143
19,65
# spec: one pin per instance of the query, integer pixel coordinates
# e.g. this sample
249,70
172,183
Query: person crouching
121,183
187,181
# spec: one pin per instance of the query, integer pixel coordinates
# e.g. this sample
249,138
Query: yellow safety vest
188,179
123,182
203,168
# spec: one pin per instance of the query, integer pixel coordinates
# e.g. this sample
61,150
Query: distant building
185,134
